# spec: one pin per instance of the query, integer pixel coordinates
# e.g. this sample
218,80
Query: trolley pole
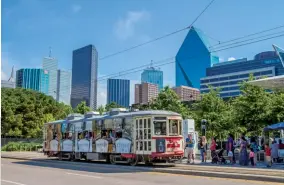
203,127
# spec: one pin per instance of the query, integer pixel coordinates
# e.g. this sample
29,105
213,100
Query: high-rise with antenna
153,75
50,65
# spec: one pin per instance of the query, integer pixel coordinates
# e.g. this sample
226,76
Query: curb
202,173
222,175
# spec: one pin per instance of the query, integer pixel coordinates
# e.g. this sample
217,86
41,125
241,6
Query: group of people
245,157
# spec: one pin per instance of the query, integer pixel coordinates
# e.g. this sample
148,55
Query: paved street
20,172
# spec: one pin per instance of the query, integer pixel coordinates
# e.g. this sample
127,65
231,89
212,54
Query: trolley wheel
112,159
134,161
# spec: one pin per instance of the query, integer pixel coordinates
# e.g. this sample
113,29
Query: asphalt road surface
19,172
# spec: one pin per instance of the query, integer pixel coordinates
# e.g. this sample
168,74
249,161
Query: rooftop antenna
50,52
11,79
151,64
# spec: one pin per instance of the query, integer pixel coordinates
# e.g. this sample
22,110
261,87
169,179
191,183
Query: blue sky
29,27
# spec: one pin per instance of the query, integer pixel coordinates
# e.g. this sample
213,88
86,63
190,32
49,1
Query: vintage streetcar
119,137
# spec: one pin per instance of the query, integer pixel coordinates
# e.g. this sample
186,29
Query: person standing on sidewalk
243,152
274,151
268,155
213,147
203,148
254,146
190,148
230,147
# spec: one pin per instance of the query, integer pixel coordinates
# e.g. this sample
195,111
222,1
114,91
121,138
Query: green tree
25,111
82,108
101,109
252,109
112,105
168,100
216,111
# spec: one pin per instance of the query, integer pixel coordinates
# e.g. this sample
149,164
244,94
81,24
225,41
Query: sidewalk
258,173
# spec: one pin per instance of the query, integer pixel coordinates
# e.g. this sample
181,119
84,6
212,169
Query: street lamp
203,127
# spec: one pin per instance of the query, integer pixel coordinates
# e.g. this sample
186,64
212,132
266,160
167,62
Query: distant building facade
154,76
228,75
118,91
84,76
187,93
35,79
63,92
8,84
193,58
145,92
51,65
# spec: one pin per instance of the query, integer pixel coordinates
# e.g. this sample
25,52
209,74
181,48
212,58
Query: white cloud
231,58
76,8
125,28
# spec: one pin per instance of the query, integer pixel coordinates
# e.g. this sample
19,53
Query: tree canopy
82,108
25,111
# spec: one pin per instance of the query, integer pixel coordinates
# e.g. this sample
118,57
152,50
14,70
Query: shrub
21,146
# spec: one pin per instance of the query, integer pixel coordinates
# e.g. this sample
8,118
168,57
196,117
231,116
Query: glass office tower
118,91
35,79
154,76
228,75
51,65
63,92
84,76
193,58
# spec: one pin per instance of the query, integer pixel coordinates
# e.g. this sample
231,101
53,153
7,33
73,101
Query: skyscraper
51,65
63,91
145,92
118,91
84,76
35,79
154,76
193,58
10,83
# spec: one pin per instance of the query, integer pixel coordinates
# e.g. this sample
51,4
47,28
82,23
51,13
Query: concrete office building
118,91
187,93
63,92
145,92
8,84
228,75
84,76
193,58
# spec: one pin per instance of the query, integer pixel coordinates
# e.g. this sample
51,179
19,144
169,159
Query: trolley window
160,128
174,127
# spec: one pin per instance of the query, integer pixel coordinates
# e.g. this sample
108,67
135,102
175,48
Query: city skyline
114,34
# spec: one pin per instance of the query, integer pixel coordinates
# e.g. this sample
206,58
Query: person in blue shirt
190,148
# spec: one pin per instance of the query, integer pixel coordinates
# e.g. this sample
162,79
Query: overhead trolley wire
134,70
249,35
159,38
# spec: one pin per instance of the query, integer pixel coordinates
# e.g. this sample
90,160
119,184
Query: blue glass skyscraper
118,91
84,76
35,79
193,58
154,76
